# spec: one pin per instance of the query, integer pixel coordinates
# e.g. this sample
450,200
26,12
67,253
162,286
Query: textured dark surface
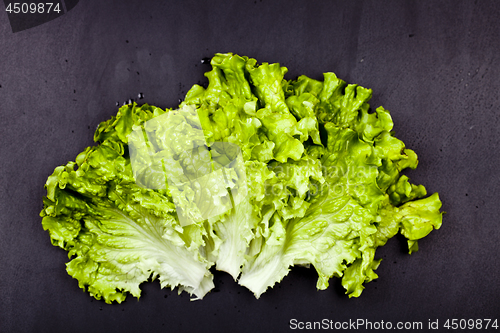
434,66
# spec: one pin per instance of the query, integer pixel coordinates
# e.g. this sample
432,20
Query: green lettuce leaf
117,233
251,175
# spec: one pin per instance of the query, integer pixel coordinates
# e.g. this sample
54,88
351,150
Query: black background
433,64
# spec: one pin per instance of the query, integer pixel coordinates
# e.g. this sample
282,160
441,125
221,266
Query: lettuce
251,175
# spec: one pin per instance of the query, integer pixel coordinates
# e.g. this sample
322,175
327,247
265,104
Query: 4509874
471,324
26,8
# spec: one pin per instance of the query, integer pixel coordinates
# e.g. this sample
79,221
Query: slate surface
434,65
